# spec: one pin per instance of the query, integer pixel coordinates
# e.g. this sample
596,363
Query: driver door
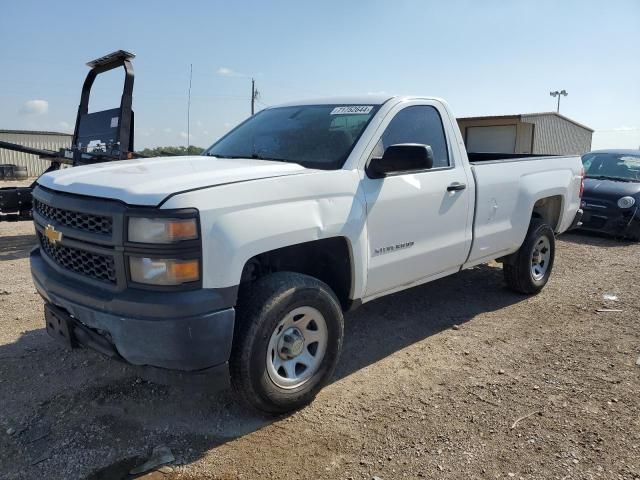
417,221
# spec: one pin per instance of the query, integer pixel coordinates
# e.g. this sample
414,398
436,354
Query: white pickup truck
240,262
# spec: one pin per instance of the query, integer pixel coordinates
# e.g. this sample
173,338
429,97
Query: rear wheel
287,342
528,270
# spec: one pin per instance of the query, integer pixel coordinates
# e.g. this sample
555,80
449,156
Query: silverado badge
52,234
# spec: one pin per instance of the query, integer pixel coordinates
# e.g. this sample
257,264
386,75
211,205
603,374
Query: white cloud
184,135
64,126
199,123
227,72
35,107
167,130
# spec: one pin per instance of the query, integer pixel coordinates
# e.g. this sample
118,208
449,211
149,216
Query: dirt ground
456,379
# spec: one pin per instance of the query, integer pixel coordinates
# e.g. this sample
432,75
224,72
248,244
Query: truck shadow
14,247
60,402
389,324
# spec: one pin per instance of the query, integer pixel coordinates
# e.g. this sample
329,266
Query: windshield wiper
222,156
605,177
270,159
254,156
257,156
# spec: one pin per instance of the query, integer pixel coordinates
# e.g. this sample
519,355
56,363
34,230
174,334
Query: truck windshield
612,166
314,136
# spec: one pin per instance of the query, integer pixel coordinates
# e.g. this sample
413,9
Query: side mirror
403,157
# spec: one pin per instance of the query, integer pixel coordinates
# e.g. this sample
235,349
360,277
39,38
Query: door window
418,124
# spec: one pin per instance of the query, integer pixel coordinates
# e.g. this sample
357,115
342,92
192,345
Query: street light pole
558,94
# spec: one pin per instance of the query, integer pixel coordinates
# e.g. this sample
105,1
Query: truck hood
596,187
149,181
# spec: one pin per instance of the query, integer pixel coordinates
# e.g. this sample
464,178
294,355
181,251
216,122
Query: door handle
456,186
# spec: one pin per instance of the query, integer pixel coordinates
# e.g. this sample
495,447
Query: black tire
19,172
633,237
261,307
518,271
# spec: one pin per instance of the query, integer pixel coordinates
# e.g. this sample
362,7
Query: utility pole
254,96
558,94
189,108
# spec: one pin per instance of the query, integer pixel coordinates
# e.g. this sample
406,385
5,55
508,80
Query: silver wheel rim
297,347
540,258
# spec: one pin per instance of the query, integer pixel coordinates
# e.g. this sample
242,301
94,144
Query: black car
611,199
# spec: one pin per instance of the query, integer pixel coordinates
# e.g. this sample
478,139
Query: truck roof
345,100
353,100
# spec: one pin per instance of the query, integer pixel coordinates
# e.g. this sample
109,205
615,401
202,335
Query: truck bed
507,187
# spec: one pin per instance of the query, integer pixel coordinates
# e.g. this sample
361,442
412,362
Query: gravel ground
459,378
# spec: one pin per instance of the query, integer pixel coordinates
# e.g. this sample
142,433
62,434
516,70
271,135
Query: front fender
239,221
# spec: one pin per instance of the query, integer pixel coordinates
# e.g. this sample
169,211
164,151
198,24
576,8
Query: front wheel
528,270
287,343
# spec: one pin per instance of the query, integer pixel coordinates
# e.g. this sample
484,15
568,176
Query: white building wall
553,135
44,140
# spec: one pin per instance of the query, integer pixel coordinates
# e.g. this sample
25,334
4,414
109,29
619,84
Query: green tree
170,151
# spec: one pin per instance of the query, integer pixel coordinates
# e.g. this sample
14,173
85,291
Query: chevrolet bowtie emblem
52,234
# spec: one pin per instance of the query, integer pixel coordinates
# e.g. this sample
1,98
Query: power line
619,130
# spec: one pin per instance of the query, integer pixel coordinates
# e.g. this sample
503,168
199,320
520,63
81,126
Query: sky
484,57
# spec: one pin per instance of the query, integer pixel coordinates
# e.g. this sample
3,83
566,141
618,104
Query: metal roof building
36,139
546,133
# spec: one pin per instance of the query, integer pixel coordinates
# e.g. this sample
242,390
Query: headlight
163,271
162,230
626,202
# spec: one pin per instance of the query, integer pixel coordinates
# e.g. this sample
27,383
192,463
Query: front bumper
612,221
182,330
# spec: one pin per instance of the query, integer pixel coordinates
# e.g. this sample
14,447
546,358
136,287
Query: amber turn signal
163,271
184,271
182,229
162,230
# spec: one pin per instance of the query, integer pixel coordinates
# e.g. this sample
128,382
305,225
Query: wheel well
328,260
548,209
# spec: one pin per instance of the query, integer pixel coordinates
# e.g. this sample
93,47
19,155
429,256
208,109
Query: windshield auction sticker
352,110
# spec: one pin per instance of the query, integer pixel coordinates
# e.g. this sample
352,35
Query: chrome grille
93,265
81,221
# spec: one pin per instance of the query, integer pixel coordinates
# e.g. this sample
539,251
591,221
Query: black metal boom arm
46,154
